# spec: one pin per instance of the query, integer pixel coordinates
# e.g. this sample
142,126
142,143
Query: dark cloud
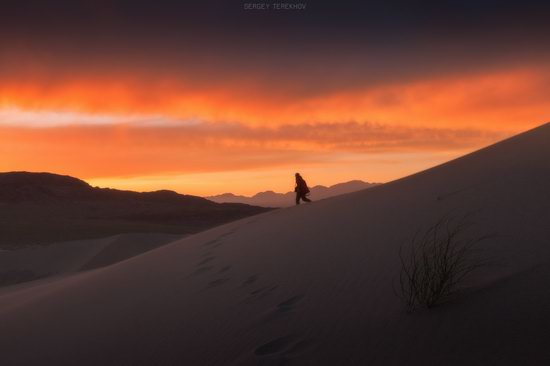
331,45
229,16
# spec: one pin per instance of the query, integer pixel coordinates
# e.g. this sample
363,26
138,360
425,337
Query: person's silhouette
301,189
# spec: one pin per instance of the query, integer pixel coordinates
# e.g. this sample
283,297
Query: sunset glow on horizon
208,117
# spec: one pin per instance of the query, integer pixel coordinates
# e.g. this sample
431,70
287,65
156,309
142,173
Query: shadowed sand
44,208
22,265
312,285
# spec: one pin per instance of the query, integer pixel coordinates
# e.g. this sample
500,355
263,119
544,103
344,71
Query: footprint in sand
289,304
201,270
218,282
254,294
283,309
250,280
263,291
206,260
224,269
218,244
214,243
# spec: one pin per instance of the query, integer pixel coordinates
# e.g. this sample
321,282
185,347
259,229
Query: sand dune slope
38,262
312,285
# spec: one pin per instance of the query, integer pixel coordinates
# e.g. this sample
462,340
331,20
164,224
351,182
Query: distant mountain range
273,199
38,208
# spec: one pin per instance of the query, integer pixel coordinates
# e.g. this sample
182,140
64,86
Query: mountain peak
273,199
40,187
20,178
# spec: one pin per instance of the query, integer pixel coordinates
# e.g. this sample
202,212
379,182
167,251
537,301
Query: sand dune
312,285
45,208
65,258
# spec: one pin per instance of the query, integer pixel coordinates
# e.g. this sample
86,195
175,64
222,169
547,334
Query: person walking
301,189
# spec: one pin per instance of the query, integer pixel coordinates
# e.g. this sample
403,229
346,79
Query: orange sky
144,135
206,97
